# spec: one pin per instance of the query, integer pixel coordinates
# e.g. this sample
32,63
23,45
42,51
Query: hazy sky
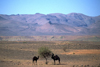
87,7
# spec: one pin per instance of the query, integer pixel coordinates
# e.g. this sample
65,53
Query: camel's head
52,56
38,57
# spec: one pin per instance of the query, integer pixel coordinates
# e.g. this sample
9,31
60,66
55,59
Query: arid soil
71,53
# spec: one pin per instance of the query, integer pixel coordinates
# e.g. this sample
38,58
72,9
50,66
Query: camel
35,59
56,57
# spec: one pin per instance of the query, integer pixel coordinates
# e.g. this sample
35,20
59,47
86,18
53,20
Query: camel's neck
38,57
52,56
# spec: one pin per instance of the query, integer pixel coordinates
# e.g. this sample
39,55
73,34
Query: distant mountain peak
39,14
75,14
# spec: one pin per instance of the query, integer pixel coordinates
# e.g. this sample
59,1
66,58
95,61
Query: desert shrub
73,53
64,49
24,42
44,52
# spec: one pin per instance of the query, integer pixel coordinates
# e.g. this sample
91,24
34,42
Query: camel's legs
54,62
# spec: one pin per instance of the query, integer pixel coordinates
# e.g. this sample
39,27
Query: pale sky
87,7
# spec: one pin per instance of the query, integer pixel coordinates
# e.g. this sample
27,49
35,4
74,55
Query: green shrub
44,52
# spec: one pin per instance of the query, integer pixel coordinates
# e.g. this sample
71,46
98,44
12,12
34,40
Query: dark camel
56,57
35,59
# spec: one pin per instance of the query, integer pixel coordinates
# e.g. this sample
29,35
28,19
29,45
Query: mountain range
50,24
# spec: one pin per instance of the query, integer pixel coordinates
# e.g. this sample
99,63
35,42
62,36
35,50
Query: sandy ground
19,54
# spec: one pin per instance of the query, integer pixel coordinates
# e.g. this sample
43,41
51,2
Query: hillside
50,24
